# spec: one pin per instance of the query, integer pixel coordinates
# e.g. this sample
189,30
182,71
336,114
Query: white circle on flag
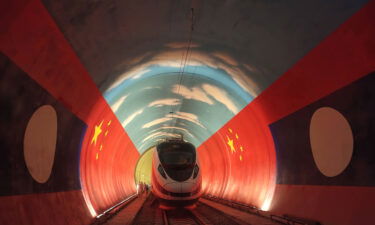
39,143
331,140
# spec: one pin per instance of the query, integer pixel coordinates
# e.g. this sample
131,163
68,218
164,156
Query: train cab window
178,159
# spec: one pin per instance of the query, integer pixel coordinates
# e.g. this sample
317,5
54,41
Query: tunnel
278,97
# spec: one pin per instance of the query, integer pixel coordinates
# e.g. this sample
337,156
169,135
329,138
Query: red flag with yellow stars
104,144
240,156
100,132
103,178
234,144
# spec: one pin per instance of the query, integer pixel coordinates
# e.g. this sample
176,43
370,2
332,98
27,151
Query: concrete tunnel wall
270,165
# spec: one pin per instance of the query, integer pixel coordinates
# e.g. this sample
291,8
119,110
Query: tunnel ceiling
168,67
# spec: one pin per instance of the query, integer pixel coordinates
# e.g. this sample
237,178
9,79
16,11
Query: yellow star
98,130
240,157
106,133
230,130
241,149
101,147
237,136
97,156
231,145
109,123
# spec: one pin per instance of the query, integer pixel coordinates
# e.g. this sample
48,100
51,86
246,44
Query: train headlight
161,171
196,171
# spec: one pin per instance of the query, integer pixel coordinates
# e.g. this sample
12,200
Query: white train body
176,177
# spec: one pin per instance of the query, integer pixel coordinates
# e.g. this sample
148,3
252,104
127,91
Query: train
176,177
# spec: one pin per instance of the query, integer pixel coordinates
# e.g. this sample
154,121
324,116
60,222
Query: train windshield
177,155
177,158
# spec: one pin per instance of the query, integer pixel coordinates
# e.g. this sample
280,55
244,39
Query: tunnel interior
143,168
277,98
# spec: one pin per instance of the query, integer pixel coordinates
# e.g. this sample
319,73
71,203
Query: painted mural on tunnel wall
40,142
160,107
336,77
48,60
20,98
98,58
238,48
327,100
295,152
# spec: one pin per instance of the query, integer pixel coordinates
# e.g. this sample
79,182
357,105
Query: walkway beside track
127,215
238,214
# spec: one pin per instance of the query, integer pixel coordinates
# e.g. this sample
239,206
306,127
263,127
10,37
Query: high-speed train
176,177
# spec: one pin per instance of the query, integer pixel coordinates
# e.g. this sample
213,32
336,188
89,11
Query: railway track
205,213
211,216
145,210
201,215
180,217
151,214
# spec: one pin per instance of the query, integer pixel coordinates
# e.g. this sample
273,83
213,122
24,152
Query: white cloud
151,88
140,73
175,128
186,116
134,74
182,124
117,104
160,134
172,58
221,96
163,102
178,115
131,117
195,93
155,122
242,80
225,58
198,58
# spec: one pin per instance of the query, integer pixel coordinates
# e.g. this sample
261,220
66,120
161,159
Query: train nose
188,186
181,187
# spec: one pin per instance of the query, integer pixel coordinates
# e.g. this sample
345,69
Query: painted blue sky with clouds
202,99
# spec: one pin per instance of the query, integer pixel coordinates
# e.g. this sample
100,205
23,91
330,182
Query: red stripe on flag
30,37
345,56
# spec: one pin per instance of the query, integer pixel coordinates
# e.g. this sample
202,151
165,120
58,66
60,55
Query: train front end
176,177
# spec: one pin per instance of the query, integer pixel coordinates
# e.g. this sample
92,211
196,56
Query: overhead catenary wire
188,51
184,61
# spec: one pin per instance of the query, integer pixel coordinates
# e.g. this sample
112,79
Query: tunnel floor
144,210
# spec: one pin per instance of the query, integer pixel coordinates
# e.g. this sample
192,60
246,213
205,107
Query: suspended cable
184,61
185,57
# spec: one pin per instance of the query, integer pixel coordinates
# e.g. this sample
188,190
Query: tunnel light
89,204
92,210
266,204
